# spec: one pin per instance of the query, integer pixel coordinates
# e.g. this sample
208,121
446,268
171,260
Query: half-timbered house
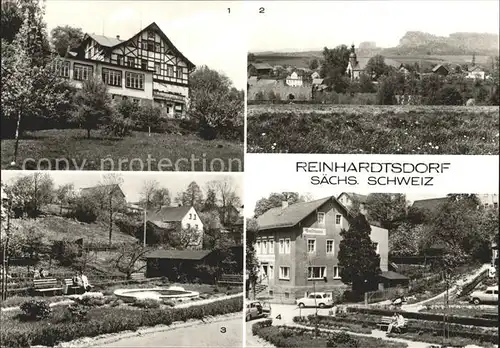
145,68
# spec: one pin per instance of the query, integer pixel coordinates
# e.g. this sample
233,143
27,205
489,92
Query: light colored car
316,299
257,309
489,295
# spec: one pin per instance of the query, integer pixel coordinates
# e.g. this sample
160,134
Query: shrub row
428,316
421,326
103,320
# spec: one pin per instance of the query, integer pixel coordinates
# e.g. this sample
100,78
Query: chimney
284,204
118,37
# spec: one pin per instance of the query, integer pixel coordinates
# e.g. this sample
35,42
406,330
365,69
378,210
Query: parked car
489,295
257,309
315,299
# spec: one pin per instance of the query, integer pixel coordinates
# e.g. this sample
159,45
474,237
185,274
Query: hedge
103,320
428,316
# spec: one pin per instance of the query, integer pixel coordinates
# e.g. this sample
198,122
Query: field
320,128
159,152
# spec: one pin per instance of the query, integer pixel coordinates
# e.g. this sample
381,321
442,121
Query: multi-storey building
144,68
297,247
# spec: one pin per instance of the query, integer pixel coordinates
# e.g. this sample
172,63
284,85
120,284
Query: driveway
227,333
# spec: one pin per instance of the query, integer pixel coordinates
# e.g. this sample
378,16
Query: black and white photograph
344,269
121,259
134,85
376,77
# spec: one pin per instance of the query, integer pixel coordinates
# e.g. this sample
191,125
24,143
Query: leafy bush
148,117
449,96
342,340
118,125
89,301
35,310
84,210
147,303
78,312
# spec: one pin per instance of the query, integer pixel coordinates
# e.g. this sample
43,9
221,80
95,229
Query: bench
385,321
46,285
137,276
69,287
231,279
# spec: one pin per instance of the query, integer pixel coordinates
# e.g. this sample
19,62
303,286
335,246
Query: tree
388,209
449,96
33,191
226,192
216,106
386,93
430,85
186,238
357,259
334,62
366,84
250,57
111,200
314,64
12,19
128,258
64,195
161,197
376,67
405,240
252,263
193,196
148,190
85,209
211,200
66,37
93,105
276,200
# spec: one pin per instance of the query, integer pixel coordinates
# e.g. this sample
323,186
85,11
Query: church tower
352,57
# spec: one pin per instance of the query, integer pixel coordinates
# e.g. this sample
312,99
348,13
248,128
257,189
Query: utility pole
144,238
110,215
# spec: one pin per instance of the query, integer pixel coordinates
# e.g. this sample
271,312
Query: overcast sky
301,25
133,181
203,31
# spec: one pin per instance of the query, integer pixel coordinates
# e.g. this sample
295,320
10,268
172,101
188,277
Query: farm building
440,69
294,80
146,68
266,89
257,69
475,72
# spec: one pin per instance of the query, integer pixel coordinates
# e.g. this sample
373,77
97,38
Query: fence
467,288
385,294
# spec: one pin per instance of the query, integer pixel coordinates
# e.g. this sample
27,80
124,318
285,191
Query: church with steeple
354,68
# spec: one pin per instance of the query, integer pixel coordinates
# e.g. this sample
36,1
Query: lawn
321,128
70,149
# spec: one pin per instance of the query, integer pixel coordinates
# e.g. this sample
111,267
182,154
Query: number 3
223,329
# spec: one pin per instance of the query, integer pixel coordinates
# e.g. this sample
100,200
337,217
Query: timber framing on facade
145,67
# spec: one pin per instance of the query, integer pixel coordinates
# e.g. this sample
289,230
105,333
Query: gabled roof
474,68
355,197
293,214
168,214
436,68
105,41
260,66
112,187
179,254
110,42
317,81
429,204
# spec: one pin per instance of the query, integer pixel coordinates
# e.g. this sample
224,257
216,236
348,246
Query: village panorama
419,93
83,96
370,270
117,259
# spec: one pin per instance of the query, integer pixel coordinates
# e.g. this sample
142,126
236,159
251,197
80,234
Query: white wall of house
145,93
294,80
192,220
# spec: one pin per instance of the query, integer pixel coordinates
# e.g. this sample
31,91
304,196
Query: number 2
261,10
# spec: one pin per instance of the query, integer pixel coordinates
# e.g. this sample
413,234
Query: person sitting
85,282
398,321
